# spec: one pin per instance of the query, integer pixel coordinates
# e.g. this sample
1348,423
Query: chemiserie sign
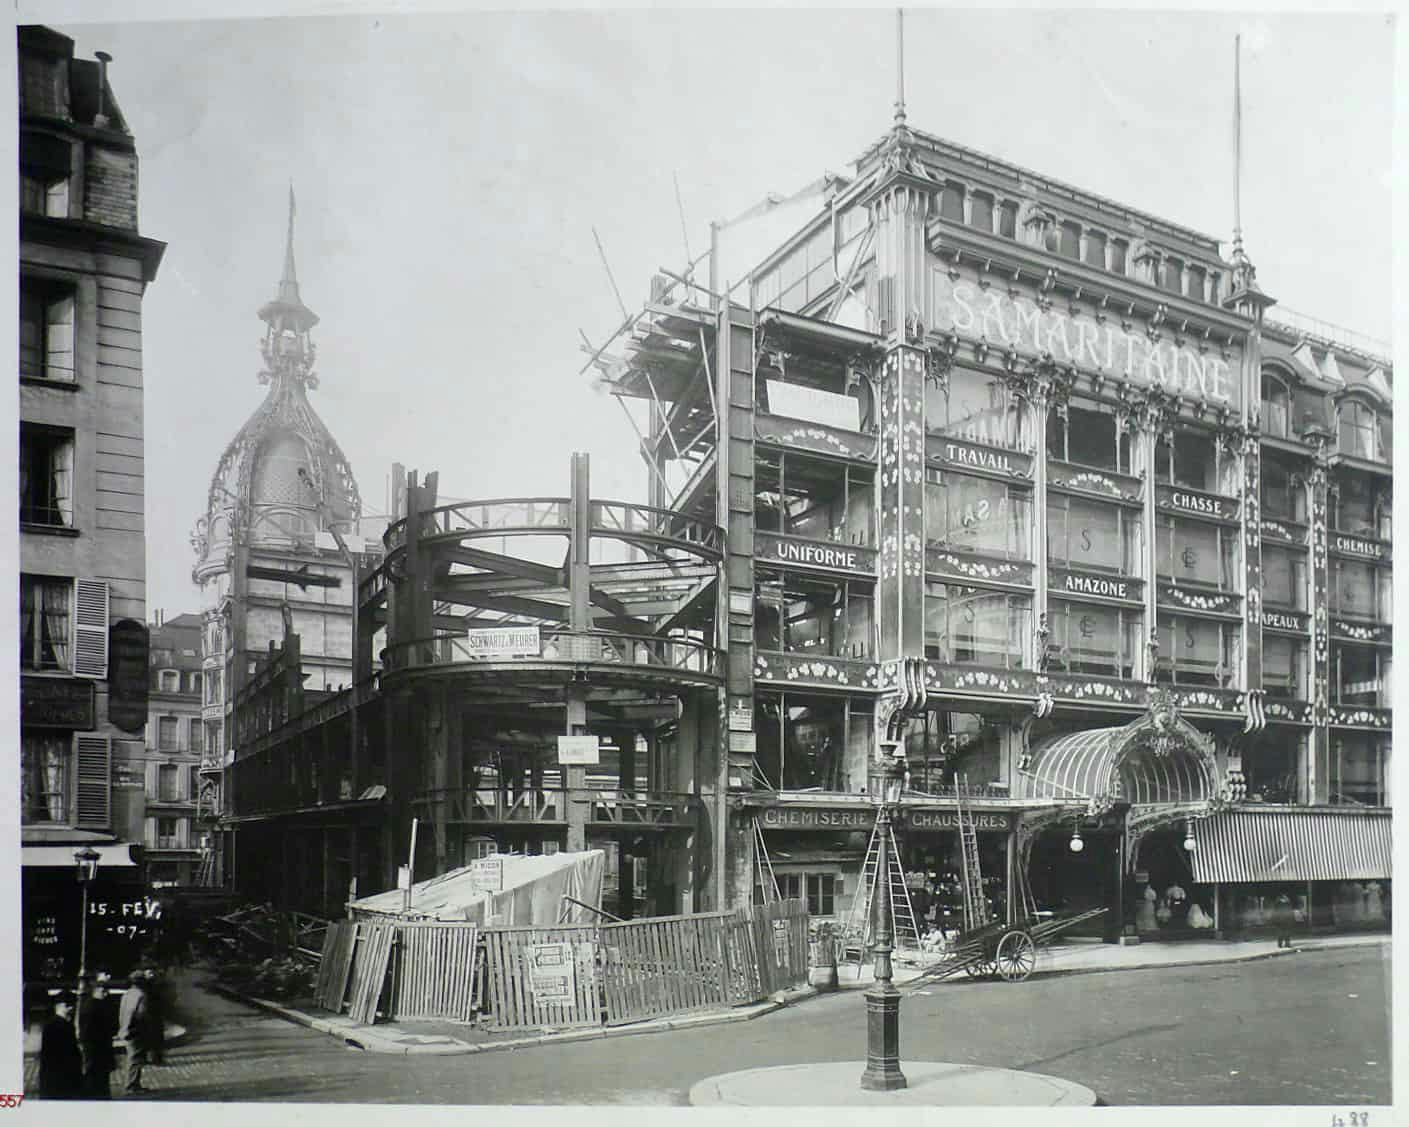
963,306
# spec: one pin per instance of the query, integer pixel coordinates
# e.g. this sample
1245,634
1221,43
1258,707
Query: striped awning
1111,764
1288,845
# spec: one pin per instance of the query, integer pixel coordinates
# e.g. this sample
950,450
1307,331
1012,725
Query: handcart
1006,950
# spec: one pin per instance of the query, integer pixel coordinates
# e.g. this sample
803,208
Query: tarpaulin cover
533,893
1293,845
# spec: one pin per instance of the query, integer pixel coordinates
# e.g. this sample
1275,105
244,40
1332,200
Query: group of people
78,1043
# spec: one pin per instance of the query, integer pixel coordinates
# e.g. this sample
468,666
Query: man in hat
60,1063
134,1019
97,1027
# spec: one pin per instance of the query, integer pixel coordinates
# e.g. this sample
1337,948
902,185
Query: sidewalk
1073,957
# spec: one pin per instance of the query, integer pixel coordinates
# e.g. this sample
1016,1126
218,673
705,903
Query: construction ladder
205,875
763,867
976,913
907,933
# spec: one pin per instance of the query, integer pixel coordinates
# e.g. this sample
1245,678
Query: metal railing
599,647
1295,322
506,804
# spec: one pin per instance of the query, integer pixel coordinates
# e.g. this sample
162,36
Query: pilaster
1318,746
901,582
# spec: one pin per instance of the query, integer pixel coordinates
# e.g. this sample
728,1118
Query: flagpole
1237,140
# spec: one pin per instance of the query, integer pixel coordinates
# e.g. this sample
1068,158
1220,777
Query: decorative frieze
815,670
1287,531
939,562
1287,711
1212,602
1353,716
774,430
1362,632
1097,483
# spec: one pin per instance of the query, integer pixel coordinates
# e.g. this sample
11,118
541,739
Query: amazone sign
973,311
1099,586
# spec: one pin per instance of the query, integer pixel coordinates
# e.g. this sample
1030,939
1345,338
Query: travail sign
973,311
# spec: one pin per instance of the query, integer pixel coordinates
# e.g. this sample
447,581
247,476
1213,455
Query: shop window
810,742
1361,505
1360,431
973,626
44,778
1357,770
1096,249
1192,460
807,497
46,476
1362,590
801,615
977,408
1283,577
166,733
1273,770
1088,437
981,211
1361,675
1092,639
45,613
1008,220
1276,407
1196,651
1285,667
1093,535
1192,551
974,514
46,331
1283,490
820,898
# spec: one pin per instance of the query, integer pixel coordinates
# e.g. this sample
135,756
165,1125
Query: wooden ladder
976,912
763,867
907,932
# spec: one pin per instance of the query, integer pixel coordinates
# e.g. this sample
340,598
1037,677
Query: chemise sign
963,306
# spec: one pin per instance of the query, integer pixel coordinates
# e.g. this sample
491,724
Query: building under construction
979,469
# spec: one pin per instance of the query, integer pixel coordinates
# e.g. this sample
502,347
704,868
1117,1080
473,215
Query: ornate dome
284,460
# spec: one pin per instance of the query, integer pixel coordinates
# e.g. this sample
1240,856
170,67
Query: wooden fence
433,971
542,976
666,965
335,965
781,940
370,960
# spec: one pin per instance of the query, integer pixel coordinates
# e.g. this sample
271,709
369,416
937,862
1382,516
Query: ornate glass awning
1157,760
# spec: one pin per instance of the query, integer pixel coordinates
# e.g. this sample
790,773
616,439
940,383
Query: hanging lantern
1189,843
1076,845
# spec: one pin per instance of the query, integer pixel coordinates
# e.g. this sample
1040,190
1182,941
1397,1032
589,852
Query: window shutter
93,789
90,627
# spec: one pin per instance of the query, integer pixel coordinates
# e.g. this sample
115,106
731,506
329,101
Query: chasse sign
965,307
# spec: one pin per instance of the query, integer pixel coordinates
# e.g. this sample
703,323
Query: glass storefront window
1284,667
1088,436
1273,769
1361,675
1093,535
1191,551
1283,577
808,742
974,626
975,407
1087,638
1361,505
801,496
973,514
1192,460
795,614
1282,489
1358,769
1197,651
1362,590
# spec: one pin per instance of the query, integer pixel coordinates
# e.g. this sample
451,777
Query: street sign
743,743
740,716
487,874
403,877
579,750
551,974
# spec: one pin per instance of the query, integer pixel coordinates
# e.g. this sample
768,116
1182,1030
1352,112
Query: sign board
403,877
127,674
503,642
741,602
57,702
1199,504
1008,463
817,818
579,750
743,743
1095,585
949,820
487,874
780,942
813,406
769,548
1285,620
740,716
551,975
1354,546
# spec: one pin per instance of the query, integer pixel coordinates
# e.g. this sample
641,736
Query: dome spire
288,284
287,311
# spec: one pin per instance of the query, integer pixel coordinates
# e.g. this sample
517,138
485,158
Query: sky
451,169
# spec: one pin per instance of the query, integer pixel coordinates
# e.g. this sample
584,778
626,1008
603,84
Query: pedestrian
60,1062
97,1029
158,1008
134,1031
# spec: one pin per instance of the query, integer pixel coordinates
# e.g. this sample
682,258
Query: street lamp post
87,859
883,999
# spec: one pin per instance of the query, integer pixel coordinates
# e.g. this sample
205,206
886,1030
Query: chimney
100,119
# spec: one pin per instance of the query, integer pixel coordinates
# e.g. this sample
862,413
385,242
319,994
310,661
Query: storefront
932,859
815,852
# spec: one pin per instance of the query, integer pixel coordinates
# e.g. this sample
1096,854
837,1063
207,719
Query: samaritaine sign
1079,338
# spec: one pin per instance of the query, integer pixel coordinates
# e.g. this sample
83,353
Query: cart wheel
982,968
1017,956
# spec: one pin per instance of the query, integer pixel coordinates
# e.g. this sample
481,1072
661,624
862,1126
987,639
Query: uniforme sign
963,306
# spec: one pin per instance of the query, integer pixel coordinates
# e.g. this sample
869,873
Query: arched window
1276,406
1359,430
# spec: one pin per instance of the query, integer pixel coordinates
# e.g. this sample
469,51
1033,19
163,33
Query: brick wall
110,195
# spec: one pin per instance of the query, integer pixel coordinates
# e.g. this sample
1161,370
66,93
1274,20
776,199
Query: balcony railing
598,647
1326,331
538,805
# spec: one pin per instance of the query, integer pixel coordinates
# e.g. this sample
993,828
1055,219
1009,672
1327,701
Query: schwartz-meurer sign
1354,546
502,642
964,306
1284,620
813,553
